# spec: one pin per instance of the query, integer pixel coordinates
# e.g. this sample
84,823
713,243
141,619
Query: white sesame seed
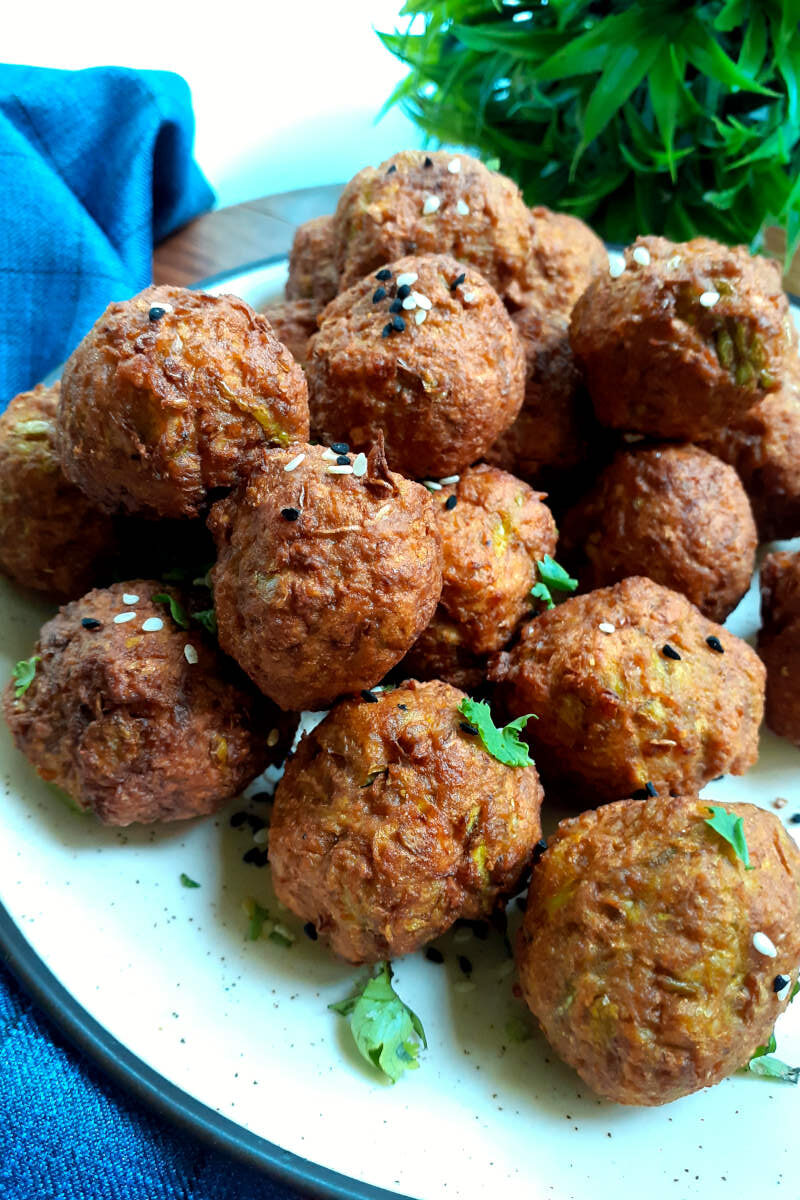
431,205
464,985
407,278
261,836
273,737
129,598
330,455
450,479
781,992
337,470
121,618
290,466
360,465
152,625
764,945
190,654
409,302
454,166
382,511
431,485
674,262
462,208
420,315
283,932
469,297
709,299
422,301
641,255
462,935
163,304
632,437
606,627
615,269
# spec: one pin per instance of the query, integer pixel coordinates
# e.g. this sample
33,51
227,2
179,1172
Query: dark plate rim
133,1075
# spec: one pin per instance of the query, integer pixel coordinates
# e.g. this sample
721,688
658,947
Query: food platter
232,1038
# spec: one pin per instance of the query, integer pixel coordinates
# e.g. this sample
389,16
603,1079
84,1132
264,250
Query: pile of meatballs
381,462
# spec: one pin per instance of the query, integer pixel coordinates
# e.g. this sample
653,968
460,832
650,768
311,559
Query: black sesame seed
465,964
403,291
384,274
794,819
434,955
370,697
428,161
780,982
640,794
450,502
290,514
715,644
387,329
340,447
342,460
395,307
392,169
458,281
262,797
649,789
670,652
255,822
156,313
468,727
378,294
91,623
258,858
239,818
539,849
310,930
404,707
398,323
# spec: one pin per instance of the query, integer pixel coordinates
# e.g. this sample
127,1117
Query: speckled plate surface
233,1038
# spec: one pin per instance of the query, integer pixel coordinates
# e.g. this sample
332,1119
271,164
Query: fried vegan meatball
567,254
324,576
137,718
632,685
674,513
171,395
764,447
423,351
494,529
313,274
51,537
293,322
779,642
685,340
646,949
391,822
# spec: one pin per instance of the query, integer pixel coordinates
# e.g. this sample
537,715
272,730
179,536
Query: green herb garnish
386,1031
731,828
207,617
502,744
187,881
258,916
176,609
763,1063
281,936
518,1030
24,672
552,578
795,990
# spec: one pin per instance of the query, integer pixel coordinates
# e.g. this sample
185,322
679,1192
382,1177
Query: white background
286,92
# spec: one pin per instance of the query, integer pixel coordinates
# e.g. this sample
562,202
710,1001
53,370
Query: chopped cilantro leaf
176,609
770,1047
23,674
730,827
187,881
281,935
206,617
795,990
552,578
386,1031
258,916
502,744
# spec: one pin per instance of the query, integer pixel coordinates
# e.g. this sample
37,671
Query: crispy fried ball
313,274
638,953
51,537
492,537
779,642
391,822
632,685
764,447
141,720
436,203
555,431
567,254
171,395
440,391
685,340
323,580
293,322
674,513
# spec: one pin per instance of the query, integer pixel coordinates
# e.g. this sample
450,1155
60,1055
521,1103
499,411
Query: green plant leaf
207,617
176,609
731,828
503,744
24,673
386,1031
187,881
705,52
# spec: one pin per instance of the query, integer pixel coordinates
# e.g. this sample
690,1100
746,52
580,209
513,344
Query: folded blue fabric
95,167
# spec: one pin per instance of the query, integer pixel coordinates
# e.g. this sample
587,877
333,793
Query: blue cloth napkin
95,167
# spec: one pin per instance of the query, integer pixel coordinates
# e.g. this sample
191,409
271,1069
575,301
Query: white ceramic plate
243,1030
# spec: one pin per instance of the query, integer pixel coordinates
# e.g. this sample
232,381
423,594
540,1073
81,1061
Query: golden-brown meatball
685,340
313,274
632,685
764,447
435,203
779,642
137,718
293,322
567,254
494,529
674,513
392,821
424,351
171,395
51,537
646,952
327,572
